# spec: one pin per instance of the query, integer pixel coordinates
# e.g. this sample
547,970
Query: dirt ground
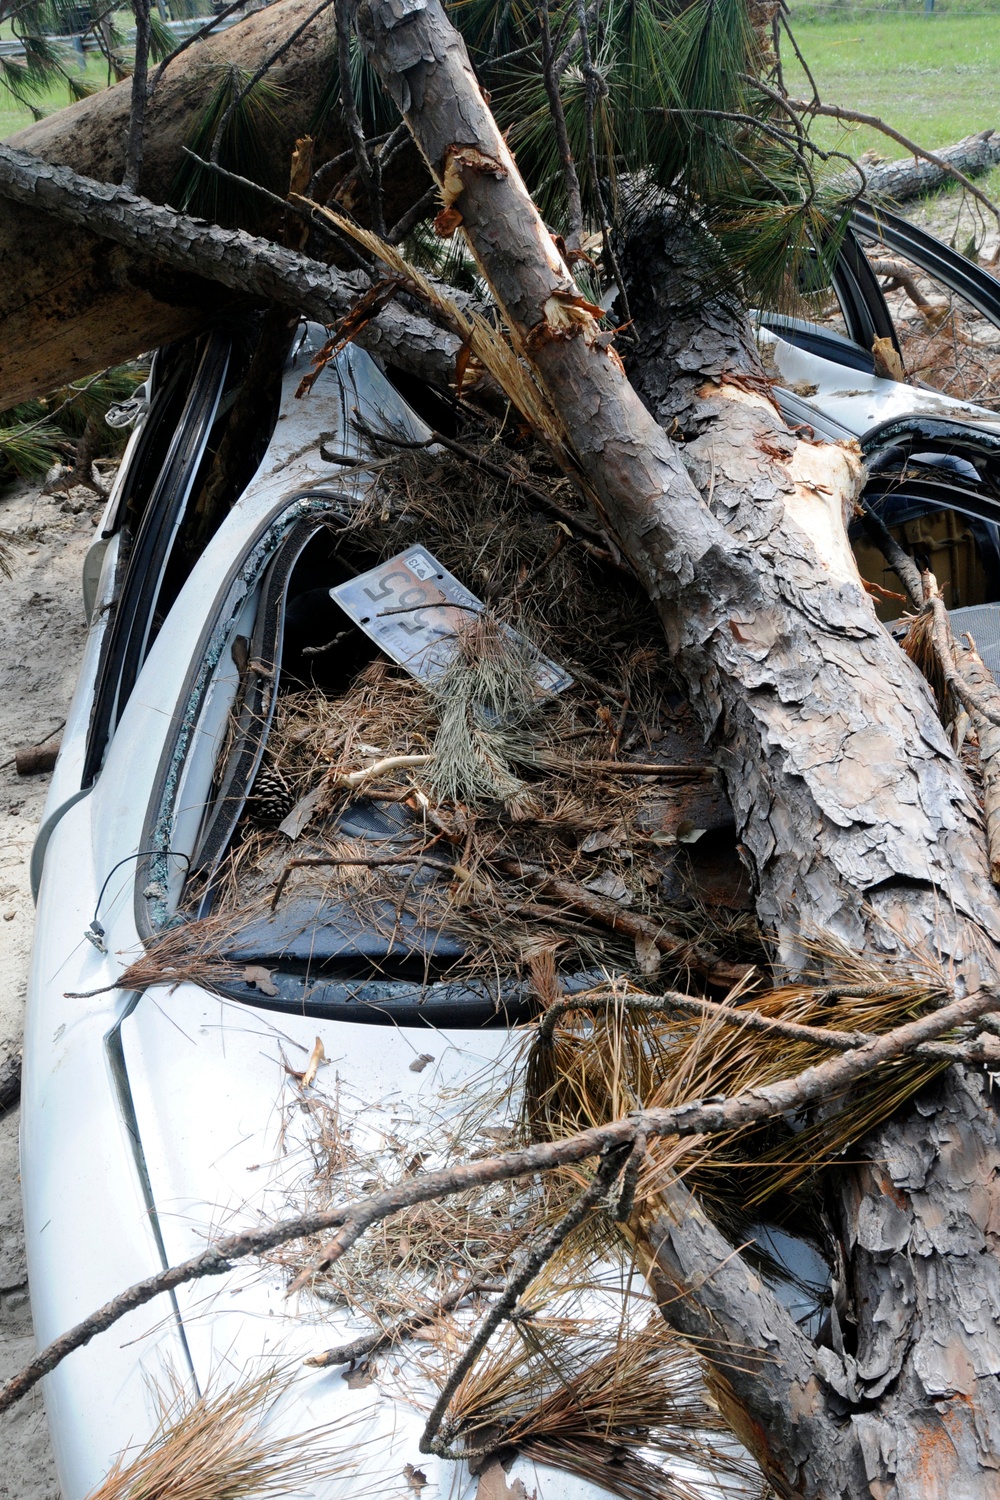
41,639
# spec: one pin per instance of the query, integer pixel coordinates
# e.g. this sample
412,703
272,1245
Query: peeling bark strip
255,267
854,813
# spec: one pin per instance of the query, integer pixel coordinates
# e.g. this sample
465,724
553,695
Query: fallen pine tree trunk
248,266
910,177
855,815
75,302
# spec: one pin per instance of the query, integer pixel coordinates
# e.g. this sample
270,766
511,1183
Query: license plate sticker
413,609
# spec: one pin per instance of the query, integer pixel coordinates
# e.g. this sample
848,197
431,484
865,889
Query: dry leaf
419,1063
610,885
300,814
595,841
493,1485
260,977
415,1478
357,1379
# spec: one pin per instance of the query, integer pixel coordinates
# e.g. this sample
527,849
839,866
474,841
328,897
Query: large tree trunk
72,302
911,177
912,1393
854,814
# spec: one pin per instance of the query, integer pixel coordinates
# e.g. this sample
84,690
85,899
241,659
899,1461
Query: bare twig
577,524
595,87
729,1015
189,41
370,861
617,918
240,94
383,1338
370,178
571,182
899,561
625,767
413,215
856,117
387,763
974,700
613,1160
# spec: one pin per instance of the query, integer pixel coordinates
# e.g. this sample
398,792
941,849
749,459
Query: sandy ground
41,639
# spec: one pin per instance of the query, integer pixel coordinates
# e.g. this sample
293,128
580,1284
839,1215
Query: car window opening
213,408
406,906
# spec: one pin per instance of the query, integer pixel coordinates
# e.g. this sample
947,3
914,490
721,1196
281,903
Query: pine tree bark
854,814
246,265
73,302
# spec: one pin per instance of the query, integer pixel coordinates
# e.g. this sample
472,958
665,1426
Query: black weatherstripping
929,255
133,624
916,458
859,292
253,711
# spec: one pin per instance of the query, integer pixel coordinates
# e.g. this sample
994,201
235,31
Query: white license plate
413,608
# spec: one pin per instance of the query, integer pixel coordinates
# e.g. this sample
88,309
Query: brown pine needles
217,1446
611,1058
624,1409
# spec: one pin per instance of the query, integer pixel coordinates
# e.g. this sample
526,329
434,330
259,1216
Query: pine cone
271,798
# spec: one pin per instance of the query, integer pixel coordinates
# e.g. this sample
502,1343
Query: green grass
933,77
14,116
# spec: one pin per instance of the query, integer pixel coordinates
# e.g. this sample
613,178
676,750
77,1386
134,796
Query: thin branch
856,117
505,1308
595,86
189,41
728,1015
576,523
899,561
567,54
240,94
371,178
971,698
309,216
413,215
798,52
370,861
610,914
571,182
383,1338
697,1117
624,767
140,95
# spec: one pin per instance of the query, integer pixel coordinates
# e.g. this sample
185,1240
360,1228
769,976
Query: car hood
227,1140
